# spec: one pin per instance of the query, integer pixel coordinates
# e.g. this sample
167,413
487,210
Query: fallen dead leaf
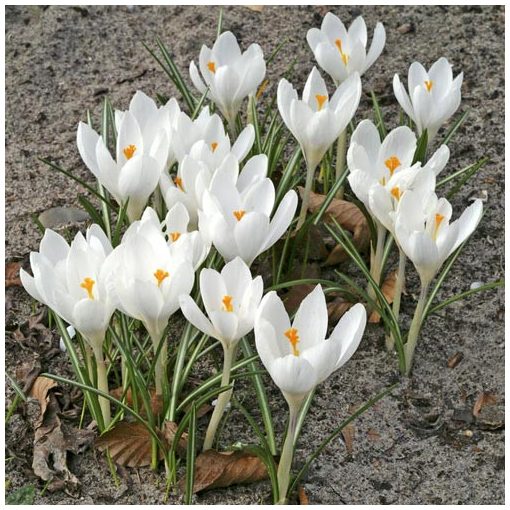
156,400
40,390
256,8
454,360
349,433
129,444
292,299
337,308
12,278
388,289
373,435
27,373
484,399
349,217
302,496
169,430
221,469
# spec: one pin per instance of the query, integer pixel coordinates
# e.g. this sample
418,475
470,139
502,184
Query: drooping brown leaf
27,373
484,399
302,496
169,430
348,216
129,444
53,439
337,308
156,400
221,469
388,289
12,278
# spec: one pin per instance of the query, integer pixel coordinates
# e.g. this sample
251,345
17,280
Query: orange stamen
293,337
345,58
129,151
160,275
392,163
175,236
396,192
178,183
437,220
87,284
320,101
227,303
428,85
211,66
214,145
239,214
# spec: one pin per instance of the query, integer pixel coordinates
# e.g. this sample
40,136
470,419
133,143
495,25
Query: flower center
160,275
293,338
178,183
392,163
129,151
239,214
175,236
437,223
214,146
345,58
395,192
227,303
211,66
87,284
428,85
320,101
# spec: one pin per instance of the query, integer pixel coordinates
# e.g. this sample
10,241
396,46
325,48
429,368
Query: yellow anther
239,214
382,181
345,58
437,222
428,85
129,151
87,284
293,337
227,303
160,275
392,163
214,146
178,183
175,236
320,101
211,66
396,193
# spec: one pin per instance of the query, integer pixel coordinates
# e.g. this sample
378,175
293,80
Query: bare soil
421,445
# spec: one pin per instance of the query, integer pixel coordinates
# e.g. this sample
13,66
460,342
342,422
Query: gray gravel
421,445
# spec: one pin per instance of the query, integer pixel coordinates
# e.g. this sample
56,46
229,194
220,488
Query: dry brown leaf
169,430
12,278
373,435
292,299
156,400
214,469
129,444
484,399
348,216
349,433
302,496
337,308
256,8
454,360
388,289
40,390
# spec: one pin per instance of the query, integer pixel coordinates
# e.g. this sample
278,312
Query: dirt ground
421,445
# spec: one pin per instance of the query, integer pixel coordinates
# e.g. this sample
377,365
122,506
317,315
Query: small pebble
475,285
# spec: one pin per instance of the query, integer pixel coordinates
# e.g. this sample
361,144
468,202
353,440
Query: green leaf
466,170
378,116
190,455
220,23
449,134
23,496
420,154
466,178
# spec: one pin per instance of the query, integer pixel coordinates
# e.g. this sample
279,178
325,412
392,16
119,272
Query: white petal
194,315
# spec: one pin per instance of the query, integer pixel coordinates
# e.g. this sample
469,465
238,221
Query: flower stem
102,385
229,353
375,269
310,172
414,331
285,464
160,363
399,285
341,149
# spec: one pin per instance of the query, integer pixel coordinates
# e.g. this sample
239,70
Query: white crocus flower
148,275
230,300
194,178
141,155
237,218
342,52
315,120
230,75
72,281
298,357
433,98
428,240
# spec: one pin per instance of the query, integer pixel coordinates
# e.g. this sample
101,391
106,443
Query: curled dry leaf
388,289
156,400
221,469
348,434
129,444
484,399
454,360
12,278
337,308
53,440
302,496
349,217
169,430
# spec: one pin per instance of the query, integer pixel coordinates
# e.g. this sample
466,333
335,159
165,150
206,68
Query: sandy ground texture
419,445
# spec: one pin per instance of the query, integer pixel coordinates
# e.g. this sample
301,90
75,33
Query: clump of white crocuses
73,282
231,298
227,75
433,96
298,356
